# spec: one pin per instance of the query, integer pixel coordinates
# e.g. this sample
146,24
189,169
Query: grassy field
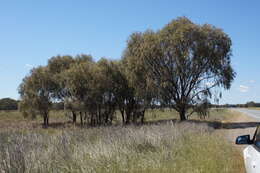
167,114
165,147
254,108
59,119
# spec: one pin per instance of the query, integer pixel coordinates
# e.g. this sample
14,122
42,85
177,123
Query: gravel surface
244,120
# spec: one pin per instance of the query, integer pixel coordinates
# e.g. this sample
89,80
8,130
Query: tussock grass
180,148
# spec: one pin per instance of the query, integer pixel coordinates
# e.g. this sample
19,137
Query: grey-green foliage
181,66
47,84
61,67
57,65
183,62
36,93
77,82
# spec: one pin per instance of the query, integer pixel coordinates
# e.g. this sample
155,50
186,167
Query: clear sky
33,31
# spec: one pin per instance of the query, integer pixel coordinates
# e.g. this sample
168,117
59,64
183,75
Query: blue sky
33,31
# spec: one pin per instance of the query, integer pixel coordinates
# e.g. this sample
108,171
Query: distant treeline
8,104
247,104
12,104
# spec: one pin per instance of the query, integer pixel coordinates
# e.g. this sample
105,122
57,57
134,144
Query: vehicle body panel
252,152
252,159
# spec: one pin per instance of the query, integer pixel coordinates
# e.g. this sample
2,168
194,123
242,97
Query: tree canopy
183,66
36,93
183,62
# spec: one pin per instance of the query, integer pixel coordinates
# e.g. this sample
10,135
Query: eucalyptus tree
77,84
135,90
58,64
141,91
121,89
36,92
102,104
185,63
58,67
113,91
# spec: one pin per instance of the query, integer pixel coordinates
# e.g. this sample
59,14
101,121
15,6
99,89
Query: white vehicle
251,152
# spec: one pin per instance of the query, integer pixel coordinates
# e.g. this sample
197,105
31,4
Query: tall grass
180,148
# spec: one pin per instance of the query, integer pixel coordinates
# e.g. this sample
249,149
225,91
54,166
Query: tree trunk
134,117
92,119
99,115
86,118
106,115
45,120
128,117
183,115
123,116
142,118
111,118
74,117
81,118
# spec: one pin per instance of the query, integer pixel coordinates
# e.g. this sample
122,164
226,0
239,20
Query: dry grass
15,118
180,148
166,147
254,108
168,114
222,115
